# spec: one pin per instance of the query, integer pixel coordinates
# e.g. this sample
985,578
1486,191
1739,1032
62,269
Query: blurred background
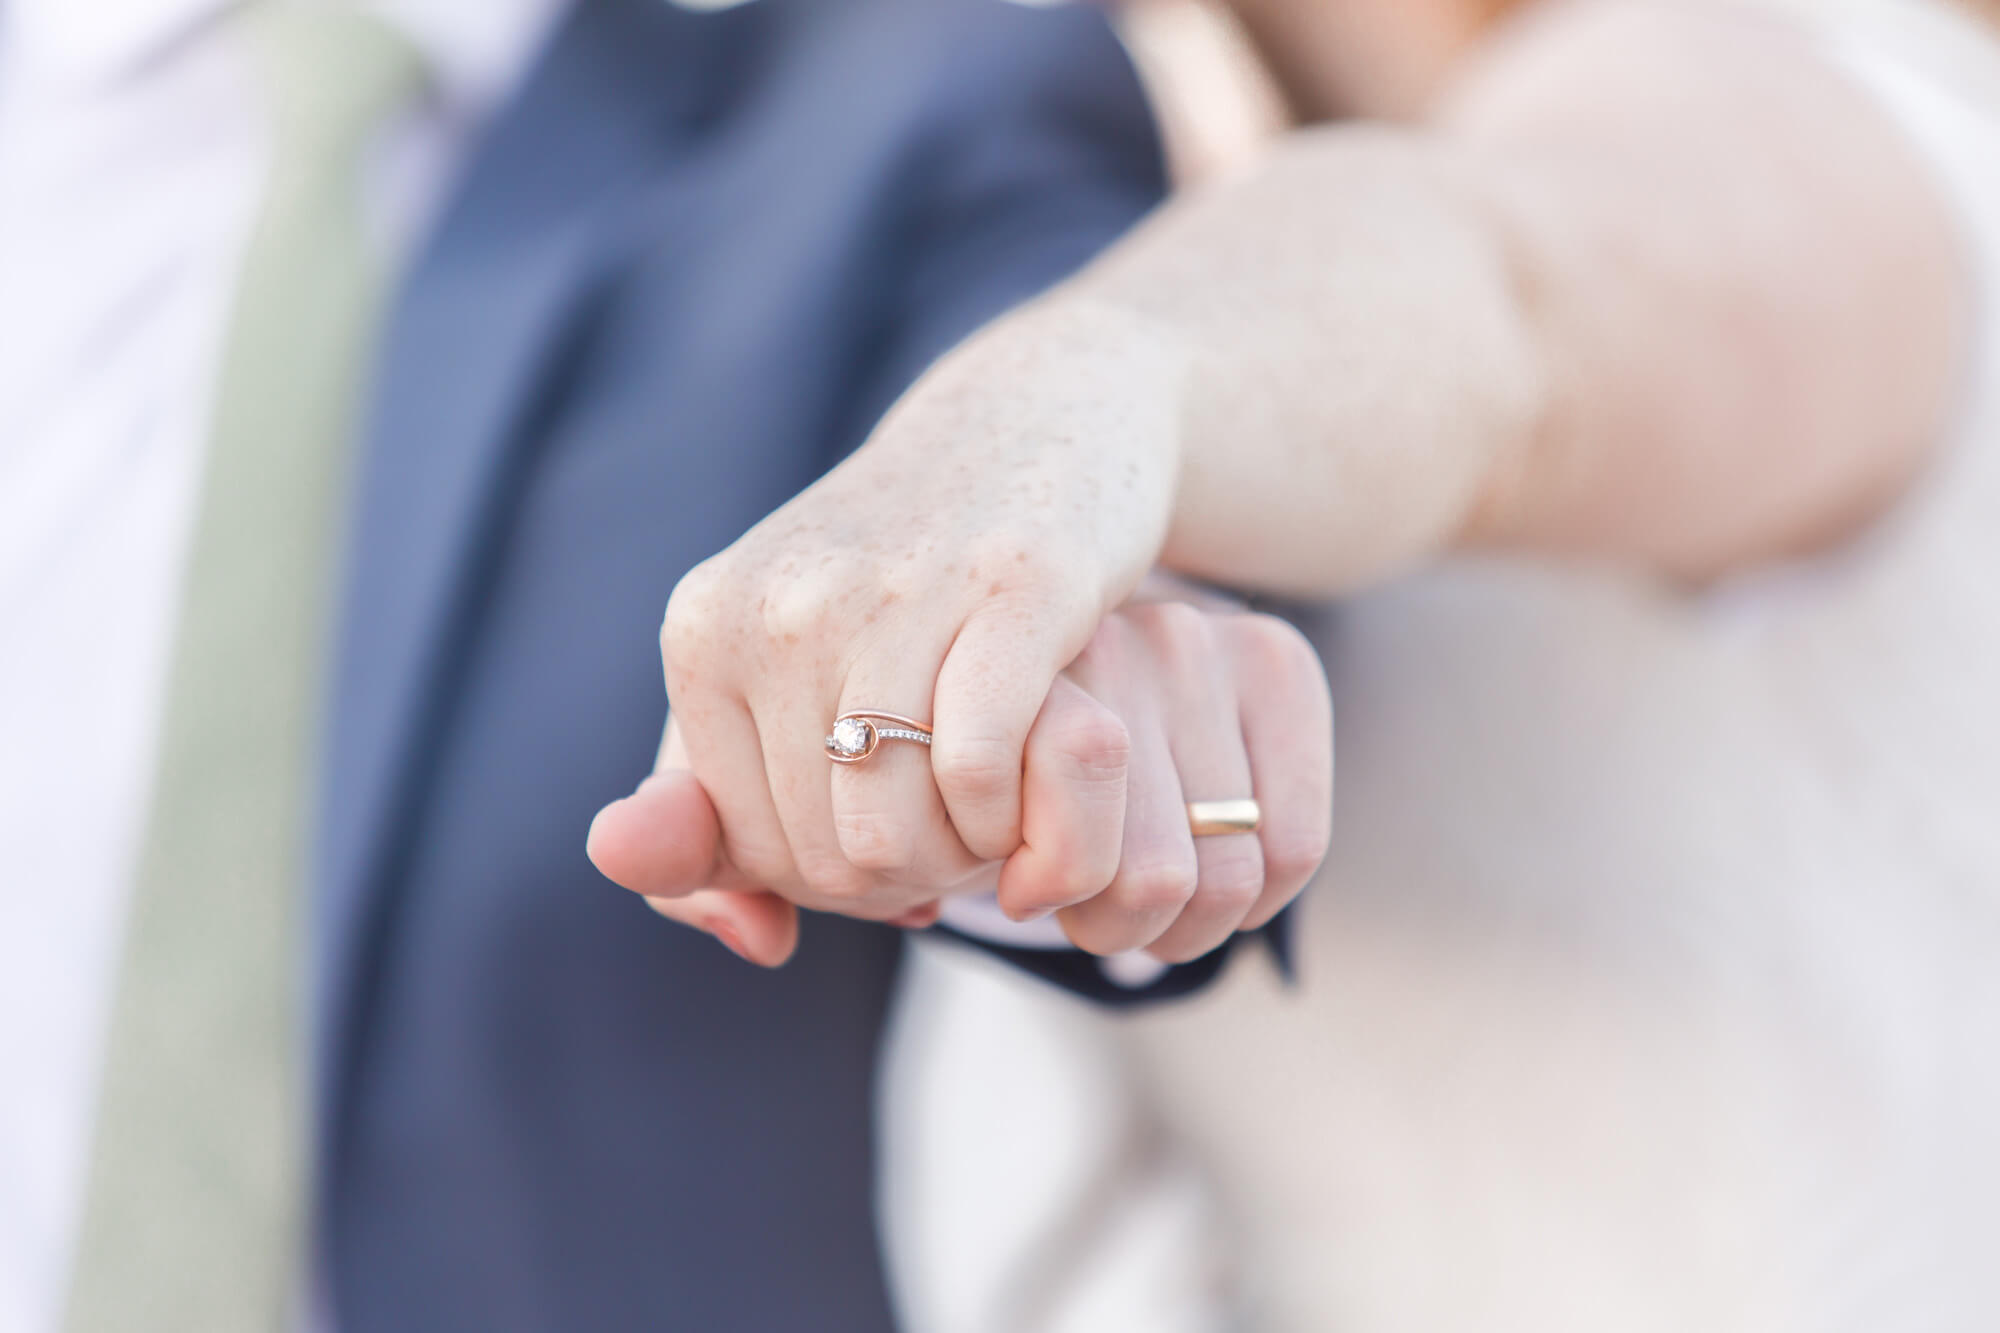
1546,1060
1501,1095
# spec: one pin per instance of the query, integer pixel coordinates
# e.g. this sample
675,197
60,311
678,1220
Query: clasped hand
984,587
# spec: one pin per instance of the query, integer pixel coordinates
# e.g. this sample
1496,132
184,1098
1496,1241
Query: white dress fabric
1654,982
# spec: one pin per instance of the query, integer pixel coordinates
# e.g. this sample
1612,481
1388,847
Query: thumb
662,841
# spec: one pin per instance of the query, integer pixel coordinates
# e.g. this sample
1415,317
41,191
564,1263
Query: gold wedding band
1209,819
855,735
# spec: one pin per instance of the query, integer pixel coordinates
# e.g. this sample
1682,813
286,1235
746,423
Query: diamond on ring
852,738
856,735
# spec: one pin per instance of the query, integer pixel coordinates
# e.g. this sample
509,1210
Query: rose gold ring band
856,735
1212,819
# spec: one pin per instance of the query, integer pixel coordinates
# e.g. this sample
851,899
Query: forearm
1658,288
1349,355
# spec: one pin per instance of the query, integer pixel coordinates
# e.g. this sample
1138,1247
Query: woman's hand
947,572
1167,704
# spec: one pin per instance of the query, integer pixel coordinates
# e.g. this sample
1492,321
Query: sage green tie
193,1214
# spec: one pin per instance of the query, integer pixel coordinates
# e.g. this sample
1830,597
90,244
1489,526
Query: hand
1167,704
950,586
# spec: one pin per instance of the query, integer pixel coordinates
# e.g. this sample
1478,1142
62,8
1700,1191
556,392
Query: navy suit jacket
684,272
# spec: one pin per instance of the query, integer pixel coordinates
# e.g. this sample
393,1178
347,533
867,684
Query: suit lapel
536,229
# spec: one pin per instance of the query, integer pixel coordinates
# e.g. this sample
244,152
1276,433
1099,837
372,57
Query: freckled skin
1089,814
963,614
1321,373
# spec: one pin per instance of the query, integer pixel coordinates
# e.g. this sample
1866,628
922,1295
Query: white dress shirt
132,141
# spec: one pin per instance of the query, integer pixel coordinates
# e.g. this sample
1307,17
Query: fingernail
1031,916
731,940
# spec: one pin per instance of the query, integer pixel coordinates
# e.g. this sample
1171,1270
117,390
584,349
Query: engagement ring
855,735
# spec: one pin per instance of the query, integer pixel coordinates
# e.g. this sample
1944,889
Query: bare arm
1655,285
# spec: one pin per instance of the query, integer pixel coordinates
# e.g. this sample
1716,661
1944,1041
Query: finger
722,744
1287,718
758,927
1157,869
1156,863
714,726
989,692
1072,806
794,729
663,840
1206,737
886,813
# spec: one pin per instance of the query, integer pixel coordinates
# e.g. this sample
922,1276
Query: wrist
1066,415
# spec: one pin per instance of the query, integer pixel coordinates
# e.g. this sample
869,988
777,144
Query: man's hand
1167,704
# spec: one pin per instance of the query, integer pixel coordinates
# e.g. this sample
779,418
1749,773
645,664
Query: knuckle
1077,880
1097,746
974,770
693,611
1275,647
1179,632
1096,927
1045,882
1293,856
1151,889
876,842
797,609
1232,884
743,602
1181,648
